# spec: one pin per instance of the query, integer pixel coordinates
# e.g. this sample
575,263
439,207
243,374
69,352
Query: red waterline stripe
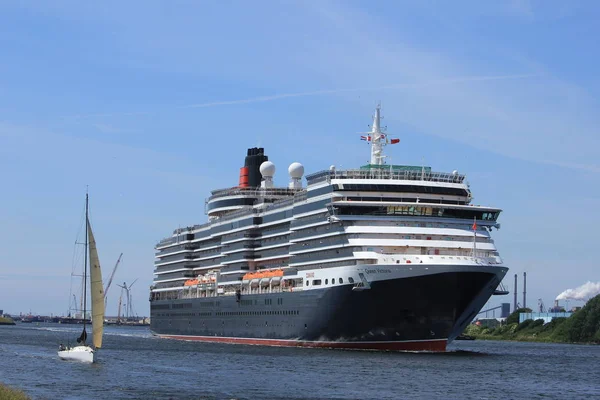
437,345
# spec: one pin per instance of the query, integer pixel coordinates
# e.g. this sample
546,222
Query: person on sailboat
61,347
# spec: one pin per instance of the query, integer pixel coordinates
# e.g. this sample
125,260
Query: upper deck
393,185
252,192
423,174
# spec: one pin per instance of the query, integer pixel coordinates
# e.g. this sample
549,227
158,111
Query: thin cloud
260,99
336,91
116,114
582,167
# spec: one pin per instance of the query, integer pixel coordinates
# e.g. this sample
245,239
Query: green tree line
582,327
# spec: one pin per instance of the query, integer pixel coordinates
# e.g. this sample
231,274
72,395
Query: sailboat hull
78,353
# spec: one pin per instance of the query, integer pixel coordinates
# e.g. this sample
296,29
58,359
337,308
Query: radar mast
378,139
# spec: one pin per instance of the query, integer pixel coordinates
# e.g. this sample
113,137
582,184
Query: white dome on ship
267,169
296,170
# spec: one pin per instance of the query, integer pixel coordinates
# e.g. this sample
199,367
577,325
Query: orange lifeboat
191,282
263,274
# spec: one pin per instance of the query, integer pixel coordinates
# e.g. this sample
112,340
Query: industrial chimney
524,289
515,295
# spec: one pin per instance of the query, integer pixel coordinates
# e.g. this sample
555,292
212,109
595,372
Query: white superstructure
379,214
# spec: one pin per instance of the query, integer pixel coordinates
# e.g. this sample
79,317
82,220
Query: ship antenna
377,139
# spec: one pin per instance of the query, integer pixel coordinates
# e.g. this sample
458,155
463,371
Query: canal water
135,365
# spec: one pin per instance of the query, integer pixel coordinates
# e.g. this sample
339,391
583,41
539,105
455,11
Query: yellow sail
97,290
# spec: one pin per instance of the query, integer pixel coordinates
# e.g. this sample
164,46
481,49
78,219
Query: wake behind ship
388,257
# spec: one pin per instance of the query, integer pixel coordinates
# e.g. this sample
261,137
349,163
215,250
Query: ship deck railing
253,192
449,258
183,292
248,210
384,173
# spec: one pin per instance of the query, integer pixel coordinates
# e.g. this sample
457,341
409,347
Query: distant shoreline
582,327
6,321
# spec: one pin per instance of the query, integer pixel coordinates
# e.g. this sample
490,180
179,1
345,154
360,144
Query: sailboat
83,351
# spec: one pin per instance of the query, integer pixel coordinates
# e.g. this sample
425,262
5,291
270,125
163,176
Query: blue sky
153,104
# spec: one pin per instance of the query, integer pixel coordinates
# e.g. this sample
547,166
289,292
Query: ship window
316,282
341,280
307,282
351,280
326,281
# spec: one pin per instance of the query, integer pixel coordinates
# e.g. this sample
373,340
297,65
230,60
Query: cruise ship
382,257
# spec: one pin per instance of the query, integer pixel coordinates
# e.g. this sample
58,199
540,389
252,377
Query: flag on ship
381,137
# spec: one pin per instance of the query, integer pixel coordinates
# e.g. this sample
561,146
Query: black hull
430,308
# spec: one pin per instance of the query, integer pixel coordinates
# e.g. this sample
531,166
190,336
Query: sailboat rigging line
85,259
75,263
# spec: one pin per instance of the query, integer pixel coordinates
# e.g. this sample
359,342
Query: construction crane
74,306
128,305
119,309
112,275
541,306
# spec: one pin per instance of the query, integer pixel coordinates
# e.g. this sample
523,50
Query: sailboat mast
85,259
